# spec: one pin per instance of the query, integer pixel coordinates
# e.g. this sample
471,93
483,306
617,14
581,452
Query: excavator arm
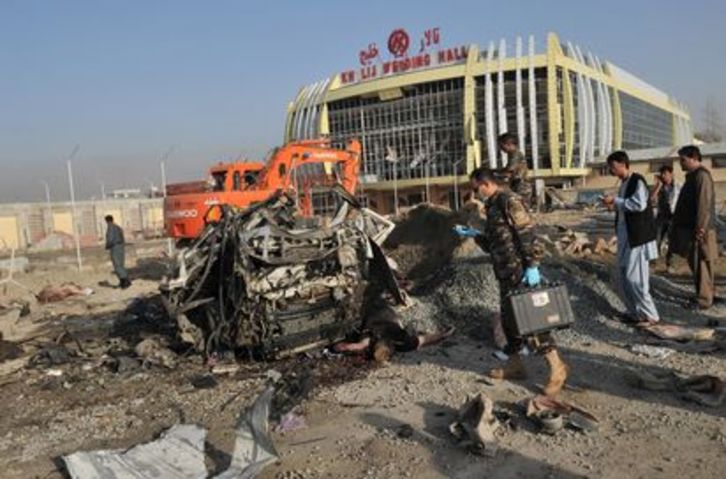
278,174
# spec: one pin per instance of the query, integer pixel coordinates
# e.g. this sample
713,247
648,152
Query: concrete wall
25,225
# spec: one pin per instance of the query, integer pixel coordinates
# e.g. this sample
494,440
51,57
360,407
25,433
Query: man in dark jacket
635,230
693,233
515,251
115,244
665,197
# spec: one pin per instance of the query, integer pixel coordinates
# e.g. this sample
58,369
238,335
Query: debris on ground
553,414
362,420
706,390
180,452
123,364
51,355
9,350
651,351
573,243
52,294
680,333
203,381
475,425
290,422
152,352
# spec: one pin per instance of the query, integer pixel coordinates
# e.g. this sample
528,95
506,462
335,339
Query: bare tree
713,128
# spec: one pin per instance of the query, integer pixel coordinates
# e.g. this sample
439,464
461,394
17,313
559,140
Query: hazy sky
128,79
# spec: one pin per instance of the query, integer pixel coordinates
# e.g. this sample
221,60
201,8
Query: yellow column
324,125
569,108
473,150
553,107
617,120
288,122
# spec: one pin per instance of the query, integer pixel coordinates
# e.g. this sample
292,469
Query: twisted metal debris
266,281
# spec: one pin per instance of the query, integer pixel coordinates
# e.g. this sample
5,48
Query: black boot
125,283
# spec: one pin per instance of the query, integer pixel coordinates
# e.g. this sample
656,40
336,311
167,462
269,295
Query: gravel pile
459,287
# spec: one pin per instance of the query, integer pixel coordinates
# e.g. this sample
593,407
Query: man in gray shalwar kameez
115,244
636,234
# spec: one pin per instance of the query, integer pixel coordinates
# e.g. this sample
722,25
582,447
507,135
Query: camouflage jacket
509,237
517,172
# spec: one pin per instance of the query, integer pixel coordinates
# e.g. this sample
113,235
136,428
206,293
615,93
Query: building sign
427,54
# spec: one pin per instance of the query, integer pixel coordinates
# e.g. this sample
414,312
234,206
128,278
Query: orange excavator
299,166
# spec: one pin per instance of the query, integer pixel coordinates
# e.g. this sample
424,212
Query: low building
649,161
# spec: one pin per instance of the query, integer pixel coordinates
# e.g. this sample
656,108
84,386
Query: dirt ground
365,420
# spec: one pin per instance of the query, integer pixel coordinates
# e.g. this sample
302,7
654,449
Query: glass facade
510,104
644,125
418,133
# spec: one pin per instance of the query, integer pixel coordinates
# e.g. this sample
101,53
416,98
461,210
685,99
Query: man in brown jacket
693,233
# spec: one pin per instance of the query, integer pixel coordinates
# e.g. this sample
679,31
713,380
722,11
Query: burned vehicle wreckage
266,282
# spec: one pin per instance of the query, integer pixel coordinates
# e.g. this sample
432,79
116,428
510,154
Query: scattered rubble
579,244
704,389
357,419
651,351
154,353
475,425
553,414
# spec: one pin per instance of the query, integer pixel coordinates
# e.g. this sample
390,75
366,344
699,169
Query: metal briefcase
541,309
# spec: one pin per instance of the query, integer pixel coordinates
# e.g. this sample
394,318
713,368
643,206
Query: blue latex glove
531,276
466,231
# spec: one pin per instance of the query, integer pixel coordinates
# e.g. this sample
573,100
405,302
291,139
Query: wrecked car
266,281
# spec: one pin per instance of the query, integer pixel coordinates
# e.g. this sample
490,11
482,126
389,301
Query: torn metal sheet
179,452
253,448
265,280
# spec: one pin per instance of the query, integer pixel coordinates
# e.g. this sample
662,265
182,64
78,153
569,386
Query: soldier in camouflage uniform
515,251
516,171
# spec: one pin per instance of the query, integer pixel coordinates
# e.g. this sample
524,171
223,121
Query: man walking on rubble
665,196
115,244
693,233
515,251
636,234
516,171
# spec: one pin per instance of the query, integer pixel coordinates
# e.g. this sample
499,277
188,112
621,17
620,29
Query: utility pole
162,166
103,190
47,229
392,157
76,232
